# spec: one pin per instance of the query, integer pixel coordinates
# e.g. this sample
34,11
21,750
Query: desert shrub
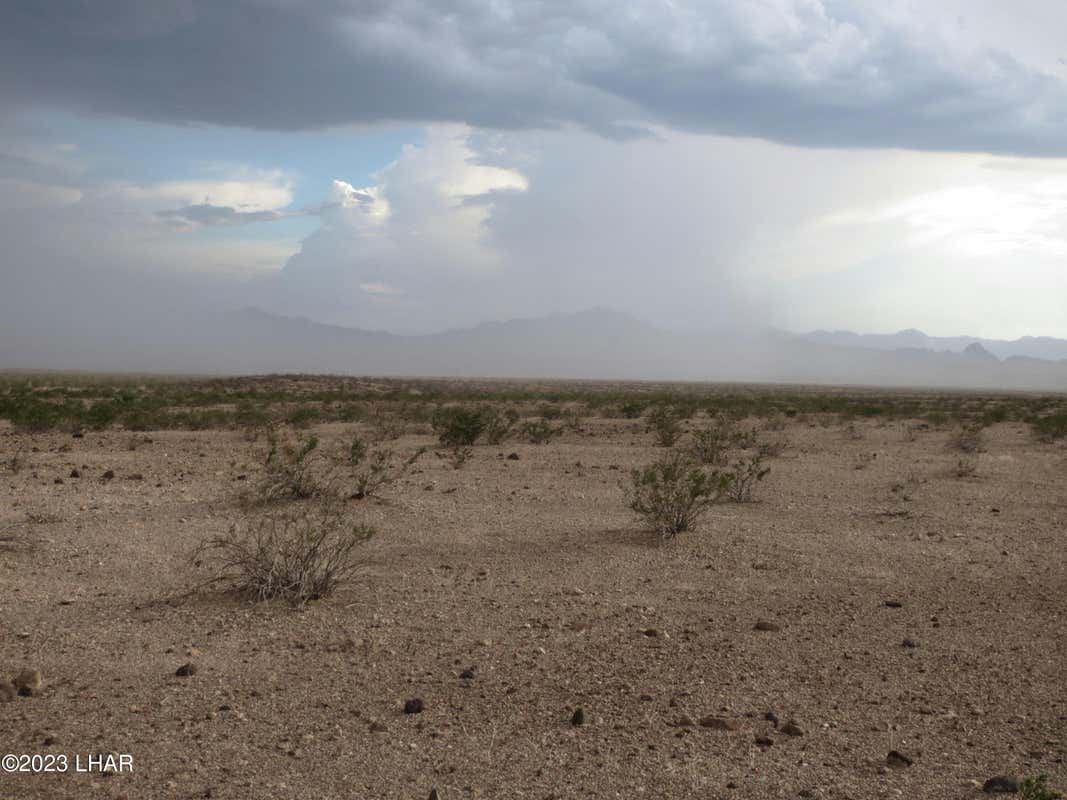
380,468
673,493
632,409
1051,427
772,448
540,431
385,427
289,469
497,424
351,412
666,424
457,426
303,416
297,555
1036,788
967,439
357,450
250,417
710,444
744,478
549,411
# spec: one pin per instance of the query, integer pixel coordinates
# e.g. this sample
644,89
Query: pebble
791,728
766,625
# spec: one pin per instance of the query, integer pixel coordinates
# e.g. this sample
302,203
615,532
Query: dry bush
772,448
379,468
710,445
672,494
967,467
17,460
744,478
297,555
498,424
459,456
665,422
540,431
290,469
864,460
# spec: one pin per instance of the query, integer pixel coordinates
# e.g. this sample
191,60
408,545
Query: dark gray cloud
796,71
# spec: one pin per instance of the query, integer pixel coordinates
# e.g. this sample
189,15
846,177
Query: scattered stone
772,718
136,476
378,727
75,474
719,724
8,692
791,728
77,435
414,706
58,481
767,625
684,721
578,717
650,632
186,670
513,457
764,741
897,760
469,674
893,604
28,682
108,475
1001,784
48,741
909,643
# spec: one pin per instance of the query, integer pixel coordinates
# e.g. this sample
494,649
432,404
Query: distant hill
1042,347
598,343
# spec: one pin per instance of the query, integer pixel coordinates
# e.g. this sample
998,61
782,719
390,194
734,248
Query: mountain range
597,343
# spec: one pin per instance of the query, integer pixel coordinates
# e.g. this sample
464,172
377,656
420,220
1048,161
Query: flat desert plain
903,608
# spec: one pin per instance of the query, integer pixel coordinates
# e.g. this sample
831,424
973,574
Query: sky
419,166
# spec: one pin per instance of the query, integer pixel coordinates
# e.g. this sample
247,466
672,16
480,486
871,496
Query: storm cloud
802,72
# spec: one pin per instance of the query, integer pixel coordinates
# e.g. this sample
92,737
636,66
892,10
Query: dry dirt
533,573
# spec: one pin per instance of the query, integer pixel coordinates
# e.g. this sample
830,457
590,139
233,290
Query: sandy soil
534,574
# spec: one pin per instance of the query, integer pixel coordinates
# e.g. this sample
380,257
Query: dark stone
909,643
578,717
897,760
186,670
108,475
1001,784
513,457
766,625
414,706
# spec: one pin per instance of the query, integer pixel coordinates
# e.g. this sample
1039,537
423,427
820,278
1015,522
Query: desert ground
885,592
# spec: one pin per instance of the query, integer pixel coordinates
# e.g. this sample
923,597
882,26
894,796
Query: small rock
772,718
75,474
186,670
684,721
652,633
513,457
8,692
28,682
136,476
1001,784
893,604
48,741
909,643
719,724
766,625
108,475
378,727
791,728
578,717
897,760
434,794
58,481
414,706
764,741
